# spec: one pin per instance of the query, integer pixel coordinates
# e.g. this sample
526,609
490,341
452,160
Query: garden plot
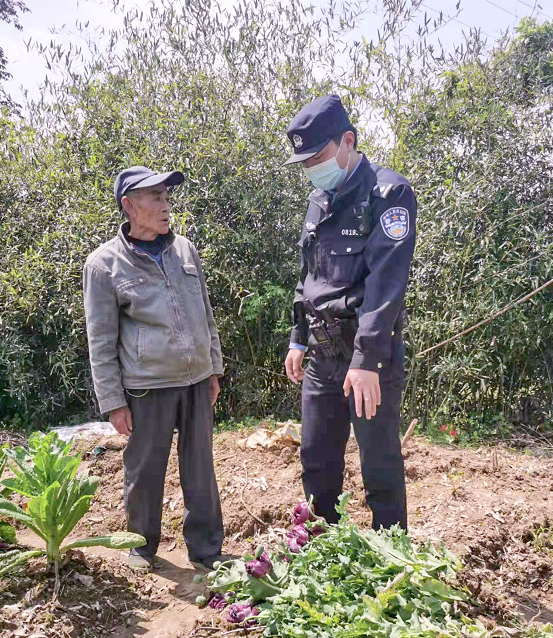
490,506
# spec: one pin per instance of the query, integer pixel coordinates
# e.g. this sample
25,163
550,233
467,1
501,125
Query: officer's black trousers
326,418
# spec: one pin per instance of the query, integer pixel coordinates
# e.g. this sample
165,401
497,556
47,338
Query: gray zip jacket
147,328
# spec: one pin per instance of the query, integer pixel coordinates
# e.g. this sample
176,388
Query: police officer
356,248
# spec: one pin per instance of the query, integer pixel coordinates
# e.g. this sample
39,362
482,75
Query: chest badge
395,223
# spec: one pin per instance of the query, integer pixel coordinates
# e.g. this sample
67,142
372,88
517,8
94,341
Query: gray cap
142,177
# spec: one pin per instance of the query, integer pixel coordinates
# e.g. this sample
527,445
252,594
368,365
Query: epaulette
382,189
320,198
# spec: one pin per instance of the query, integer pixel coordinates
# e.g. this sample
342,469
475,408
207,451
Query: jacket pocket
141,349
346,260
127,284
192,278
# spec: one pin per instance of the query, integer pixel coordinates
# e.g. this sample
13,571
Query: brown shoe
139,562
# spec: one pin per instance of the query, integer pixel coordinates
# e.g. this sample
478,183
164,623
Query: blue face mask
327,175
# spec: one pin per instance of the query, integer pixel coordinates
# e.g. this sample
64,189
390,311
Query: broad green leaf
443,591
11,510
27,482
7,532
260,588
77,502
117,540
3,457
230,574
8,563
43,511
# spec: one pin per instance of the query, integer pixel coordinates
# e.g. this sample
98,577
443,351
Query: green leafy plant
46,474
7,532
541,536
347,582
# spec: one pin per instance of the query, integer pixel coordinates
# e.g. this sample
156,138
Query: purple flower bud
259,567
238,612
300,534
218,601
292,543
302,513
252,621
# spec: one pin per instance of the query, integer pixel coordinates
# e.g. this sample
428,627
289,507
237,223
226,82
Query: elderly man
156,358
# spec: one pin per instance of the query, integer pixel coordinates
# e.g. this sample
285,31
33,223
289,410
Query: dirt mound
490,505
97,595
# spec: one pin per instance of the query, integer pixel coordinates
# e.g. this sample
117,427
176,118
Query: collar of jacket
357,188
123,233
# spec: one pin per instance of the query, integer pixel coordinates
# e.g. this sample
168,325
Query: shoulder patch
395,223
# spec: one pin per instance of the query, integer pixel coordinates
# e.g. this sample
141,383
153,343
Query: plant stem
57,575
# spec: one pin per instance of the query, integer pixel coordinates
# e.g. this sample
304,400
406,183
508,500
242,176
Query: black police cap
142,177
315,125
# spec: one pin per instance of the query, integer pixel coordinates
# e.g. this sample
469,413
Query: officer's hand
366,390
121,419
214,389
293,362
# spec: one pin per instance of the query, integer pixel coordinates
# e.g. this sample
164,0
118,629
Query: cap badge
297,140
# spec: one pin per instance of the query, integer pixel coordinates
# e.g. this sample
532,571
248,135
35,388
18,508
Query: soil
491,505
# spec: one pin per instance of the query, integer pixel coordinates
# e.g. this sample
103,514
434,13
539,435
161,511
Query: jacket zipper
168,286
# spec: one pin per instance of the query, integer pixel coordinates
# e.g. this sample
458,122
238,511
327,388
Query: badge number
395,223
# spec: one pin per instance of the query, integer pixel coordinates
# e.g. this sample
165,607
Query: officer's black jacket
357,270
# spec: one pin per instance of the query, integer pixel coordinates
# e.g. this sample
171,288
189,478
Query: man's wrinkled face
149,211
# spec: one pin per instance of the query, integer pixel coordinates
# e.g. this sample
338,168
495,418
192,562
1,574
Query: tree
478,146
188,87
8,13
193,87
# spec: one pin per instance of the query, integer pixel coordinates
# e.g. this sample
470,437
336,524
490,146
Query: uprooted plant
344,582
46,474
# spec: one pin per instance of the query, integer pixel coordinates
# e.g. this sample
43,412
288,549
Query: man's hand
294,371
214,389
121,419
366,390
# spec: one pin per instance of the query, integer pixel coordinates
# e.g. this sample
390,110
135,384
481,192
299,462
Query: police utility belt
333,335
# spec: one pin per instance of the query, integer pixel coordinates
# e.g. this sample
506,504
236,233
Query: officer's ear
349,139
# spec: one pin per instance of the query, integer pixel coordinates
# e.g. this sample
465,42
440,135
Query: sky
56,19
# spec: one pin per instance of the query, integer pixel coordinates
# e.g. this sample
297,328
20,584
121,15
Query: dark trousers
326,417
155,417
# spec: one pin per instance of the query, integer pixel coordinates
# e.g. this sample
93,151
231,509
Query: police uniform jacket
356,250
